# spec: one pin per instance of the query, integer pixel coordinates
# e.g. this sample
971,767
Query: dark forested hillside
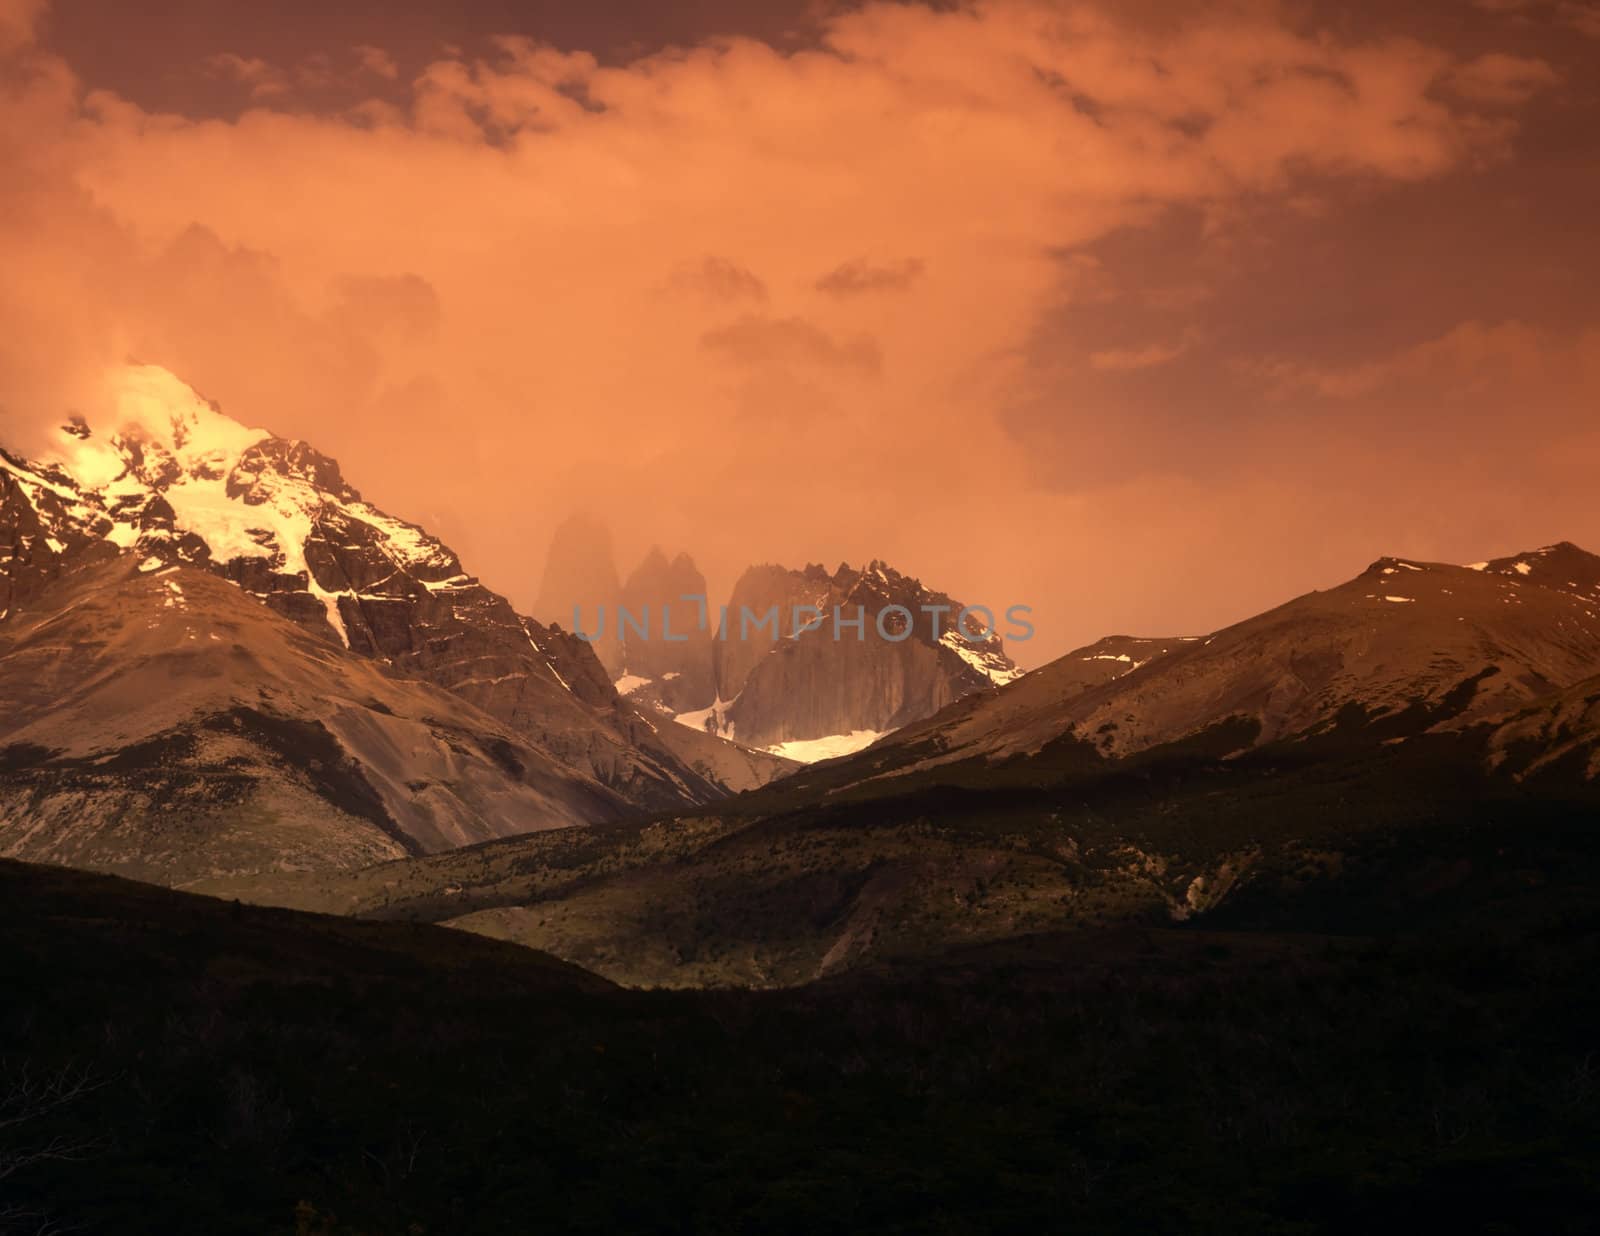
177,1064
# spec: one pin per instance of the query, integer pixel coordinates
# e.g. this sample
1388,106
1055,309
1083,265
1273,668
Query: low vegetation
227,1068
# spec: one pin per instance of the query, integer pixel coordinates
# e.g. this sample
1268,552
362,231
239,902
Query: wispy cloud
19,22
1146,357
857,276
1498,79
376,61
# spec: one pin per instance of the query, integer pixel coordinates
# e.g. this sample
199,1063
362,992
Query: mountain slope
667,640
1345,732
170,480
1563,566
153,722
767,892
1404,647
1555,741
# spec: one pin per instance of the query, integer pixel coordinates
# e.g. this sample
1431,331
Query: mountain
175,523
1421,727
812,665
667,640
1402,648
758,590
580,582
1109,658
1563,566
1421,737
792,885
157,724
1555,741
772,672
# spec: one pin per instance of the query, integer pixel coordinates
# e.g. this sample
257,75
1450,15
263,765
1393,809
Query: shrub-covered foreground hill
171,1063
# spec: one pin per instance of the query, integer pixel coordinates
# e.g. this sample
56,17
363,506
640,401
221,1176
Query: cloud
261,79
1147,357
1580,15
313,77
1584,18
526,280
1502,80
404,307
1469,359
19,23
854,277
719,280
376,61
759,342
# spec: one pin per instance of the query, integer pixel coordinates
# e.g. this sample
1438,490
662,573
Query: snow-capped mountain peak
157,428
164,479
167,473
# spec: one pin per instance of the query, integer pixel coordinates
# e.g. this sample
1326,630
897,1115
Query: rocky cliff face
43,521
797,673
747,675
741,644
667,640
170,481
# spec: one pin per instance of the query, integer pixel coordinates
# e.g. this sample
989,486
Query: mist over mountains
221,659
176,573
222,662
223,671
805,663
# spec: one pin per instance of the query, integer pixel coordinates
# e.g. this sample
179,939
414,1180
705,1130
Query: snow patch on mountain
165,471
985,658
712,720
160,415
811,750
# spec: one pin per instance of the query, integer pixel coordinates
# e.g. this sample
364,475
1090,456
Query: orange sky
1148,323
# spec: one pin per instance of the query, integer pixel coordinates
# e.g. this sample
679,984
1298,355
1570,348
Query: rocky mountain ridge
871,650
155,723
770,669
1387,726
168,483
1406,645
